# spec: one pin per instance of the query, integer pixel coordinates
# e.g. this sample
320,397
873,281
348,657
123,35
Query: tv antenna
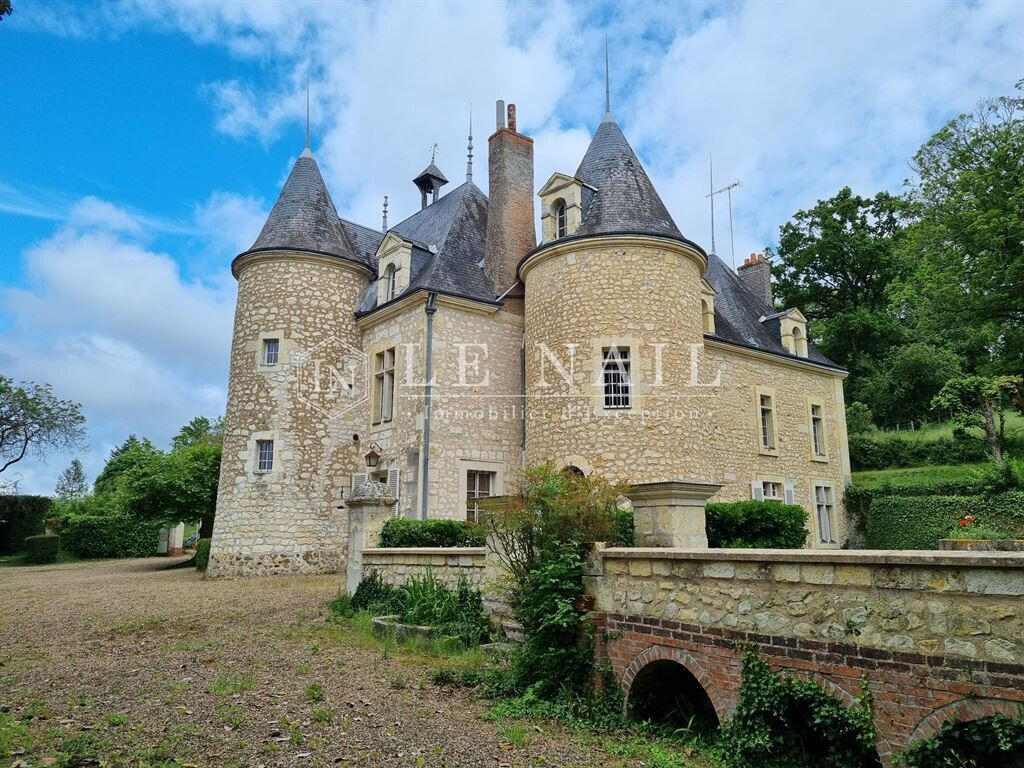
728,188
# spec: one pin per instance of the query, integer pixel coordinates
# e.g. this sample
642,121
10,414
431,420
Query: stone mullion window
824,504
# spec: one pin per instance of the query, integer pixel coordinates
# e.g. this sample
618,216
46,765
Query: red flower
963,523
969,519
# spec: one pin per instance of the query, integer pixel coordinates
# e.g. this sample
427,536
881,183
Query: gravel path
137,664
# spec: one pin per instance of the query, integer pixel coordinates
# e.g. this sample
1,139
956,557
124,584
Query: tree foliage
34,421
72,482
980,401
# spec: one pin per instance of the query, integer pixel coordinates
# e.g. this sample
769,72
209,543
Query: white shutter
359,479
393,475
756,490
790,494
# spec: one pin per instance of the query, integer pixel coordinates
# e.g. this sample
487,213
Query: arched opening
572,471
667,694
799,342
561,226
389,282
991,740
707,317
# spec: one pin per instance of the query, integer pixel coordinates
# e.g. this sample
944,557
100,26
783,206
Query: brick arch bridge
933,635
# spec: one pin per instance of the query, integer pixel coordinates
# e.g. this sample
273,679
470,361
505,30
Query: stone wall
448,565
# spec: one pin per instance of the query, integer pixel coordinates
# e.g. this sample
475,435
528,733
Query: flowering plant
969,528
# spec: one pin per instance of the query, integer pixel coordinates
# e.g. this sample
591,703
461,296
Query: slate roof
431,171
626,200
448,247
304,217
738,314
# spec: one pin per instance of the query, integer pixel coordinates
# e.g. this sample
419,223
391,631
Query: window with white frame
479,485
271,350
772,490
264,455
818,430
561,224
615,377
767,414
389,282
384,386
824,502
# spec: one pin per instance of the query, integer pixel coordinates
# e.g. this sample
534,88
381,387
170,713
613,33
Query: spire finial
307,113
607,85
433,152
384,221
469,153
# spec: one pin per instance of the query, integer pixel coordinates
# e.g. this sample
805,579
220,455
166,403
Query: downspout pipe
429,308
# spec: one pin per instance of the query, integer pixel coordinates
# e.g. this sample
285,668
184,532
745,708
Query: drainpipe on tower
430,308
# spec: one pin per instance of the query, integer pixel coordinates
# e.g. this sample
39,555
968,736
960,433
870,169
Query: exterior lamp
373,457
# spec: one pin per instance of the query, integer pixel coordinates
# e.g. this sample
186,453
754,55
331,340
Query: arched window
560,223
799,342
389,282
707,317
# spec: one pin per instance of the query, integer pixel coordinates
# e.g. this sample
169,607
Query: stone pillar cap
372,491
672,489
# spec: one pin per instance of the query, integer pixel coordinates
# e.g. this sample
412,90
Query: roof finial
469,153
433,152
384,222
607,86
307,112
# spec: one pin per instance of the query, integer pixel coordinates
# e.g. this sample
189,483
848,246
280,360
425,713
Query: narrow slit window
818,430
384,386
389,282
767,423
265,455
615,377
271,349
561,226
825,504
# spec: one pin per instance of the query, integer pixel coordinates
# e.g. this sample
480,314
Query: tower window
615,377
264,455
384,386
560,220
389,282
271,347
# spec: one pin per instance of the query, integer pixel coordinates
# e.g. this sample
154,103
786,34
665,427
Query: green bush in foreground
403,532
759,524
203,554
786,722
995,740
42,549
918,522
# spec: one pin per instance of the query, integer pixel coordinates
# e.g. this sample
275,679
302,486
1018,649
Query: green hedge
402,532
202,554
887,450
20,517
918,522
43,548
760,524
114,535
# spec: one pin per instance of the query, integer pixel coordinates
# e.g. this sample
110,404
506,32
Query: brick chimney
756,275
511,232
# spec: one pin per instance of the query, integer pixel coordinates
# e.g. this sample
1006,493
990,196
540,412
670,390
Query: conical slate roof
626,200
304,217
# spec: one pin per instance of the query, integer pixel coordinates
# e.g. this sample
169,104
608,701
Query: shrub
760,524
374,594
20,517
623,534
114,535
886,449
785,722
203,554
402,532
993,740
455,612
918,522
42,548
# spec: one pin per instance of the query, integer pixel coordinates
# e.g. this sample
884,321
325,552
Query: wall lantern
373,457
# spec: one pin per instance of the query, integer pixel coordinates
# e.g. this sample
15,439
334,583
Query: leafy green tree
900,386
967,242
199,430
34,421
72,483
980,401
122,459
858,418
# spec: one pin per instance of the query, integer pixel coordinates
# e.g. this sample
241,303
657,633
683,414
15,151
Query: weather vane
433,152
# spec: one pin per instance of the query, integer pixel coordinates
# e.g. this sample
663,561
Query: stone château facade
616,346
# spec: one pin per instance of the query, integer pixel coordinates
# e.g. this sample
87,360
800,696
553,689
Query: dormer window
389,282
707,306
799,342
560,219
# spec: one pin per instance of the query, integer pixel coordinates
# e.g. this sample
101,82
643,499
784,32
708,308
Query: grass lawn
938,430
19,559
929,475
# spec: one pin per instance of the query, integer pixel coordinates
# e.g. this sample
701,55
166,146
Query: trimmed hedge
202,554
42,549
918,522
887,450
760,524
114,535
402,532
21,517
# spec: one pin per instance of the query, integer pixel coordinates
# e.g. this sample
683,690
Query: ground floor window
824,502
479,485
772,490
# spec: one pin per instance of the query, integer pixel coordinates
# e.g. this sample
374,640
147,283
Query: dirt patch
137,664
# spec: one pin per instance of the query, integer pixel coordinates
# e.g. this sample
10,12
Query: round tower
613,310
296,380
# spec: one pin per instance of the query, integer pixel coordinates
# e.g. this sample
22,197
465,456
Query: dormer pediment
391,243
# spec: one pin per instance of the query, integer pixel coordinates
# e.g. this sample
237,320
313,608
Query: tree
130,453
979,401
72,483
967,242
5,8
900,386
199,431
34,421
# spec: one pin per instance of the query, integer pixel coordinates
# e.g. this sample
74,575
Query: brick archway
722,704
962,710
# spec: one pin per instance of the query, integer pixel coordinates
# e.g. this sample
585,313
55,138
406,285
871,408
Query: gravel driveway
137,664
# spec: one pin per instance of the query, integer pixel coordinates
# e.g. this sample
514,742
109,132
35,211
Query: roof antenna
607,87
469,154
728,188
711,194
384,222
307,112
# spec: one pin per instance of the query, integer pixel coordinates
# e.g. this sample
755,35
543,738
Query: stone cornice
866,557
625,240
415,298
252,257
774,357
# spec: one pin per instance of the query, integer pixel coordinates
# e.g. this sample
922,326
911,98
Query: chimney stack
756,276
511,232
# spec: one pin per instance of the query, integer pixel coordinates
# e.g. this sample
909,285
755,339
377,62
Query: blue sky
141,144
